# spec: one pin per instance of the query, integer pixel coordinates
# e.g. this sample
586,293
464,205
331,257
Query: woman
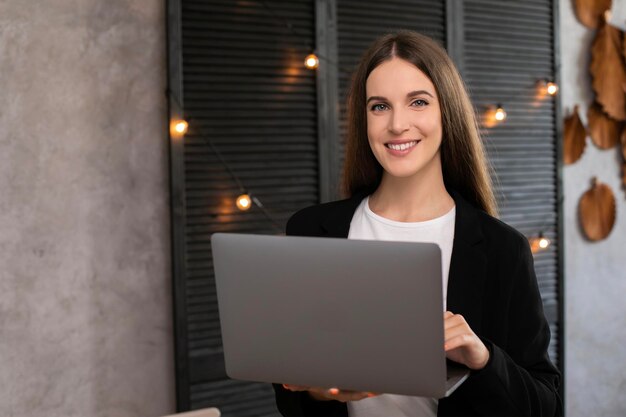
416,171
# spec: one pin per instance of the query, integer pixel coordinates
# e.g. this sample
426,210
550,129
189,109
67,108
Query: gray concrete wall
595,273
85,298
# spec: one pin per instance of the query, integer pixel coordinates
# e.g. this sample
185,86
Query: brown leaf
589,12
604,131
596,209
607,70
574,135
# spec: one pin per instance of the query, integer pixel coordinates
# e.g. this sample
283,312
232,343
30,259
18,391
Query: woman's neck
411,199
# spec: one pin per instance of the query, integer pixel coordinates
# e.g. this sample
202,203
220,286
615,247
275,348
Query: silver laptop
326,312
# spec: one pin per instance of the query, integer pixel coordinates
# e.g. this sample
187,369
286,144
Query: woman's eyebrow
409,95
419,93
375,98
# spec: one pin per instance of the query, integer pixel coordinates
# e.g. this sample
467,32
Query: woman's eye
379,107
419,103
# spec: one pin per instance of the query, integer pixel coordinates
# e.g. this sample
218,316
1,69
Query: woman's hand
461,343
324,394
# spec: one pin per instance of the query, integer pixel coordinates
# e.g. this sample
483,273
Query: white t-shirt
367,225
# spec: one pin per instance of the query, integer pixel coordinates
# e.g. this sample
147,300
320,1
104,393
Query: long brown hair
463,160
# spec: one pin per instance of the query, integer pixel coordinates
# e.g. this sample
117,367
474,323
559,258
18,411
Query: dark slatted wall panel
509,46
246,90
360,22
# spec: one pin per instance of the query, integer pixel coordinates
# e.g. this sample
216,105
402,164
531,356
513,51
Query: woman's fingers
450,320
457,342
461,343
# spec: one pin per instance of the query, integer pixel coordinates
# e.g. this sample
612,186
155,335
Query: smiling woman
420,78
404,121
416,171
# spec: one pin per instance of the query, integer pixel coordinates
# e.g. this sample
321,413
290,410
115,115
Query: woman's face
403,120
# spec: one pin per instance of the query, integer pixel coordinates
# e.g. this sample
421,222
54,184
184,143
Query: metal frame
327,98
558,114
177,201
455,32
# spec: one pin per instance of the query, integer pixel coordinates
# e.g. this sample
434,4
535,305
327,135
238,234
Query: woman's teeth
401,146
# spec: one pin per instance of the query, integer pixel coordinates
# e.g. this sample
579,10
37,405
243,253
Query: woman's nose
398,122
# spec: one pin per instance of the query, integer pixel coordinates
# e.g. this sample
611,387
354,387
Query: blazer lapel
336,222
468,265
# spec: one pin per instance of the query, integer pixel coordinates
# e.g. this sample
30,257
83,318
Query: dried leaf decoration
589,12
607,70
574,135
604,131
596,209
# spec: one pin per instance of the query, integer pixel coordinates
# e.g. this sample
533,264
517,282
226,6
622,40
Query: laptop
326,312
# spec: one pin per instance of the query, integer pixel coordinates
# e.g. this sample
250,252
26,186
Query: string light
315,58
539,243
493,115
244,202
178,128
181,127
500,114
552,88
545,87
311,61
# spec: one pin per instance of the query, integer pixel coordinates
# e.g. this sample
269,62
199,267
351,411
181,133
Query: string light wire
281,21
200,133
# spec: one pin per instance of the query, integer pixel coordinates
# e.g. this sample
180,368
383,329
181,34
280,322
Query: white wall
595,273
85,299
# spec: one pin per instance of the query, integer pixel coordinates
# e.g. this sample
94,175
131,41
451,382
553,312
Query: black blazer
492,283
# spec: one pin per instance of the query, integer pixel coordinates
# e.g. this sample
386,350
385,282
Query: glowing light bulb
539,243
546,88
178,128
244,202
552,88
500,114
311,61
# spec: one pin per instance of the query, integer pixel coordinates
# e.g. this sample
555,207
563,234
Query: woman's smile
401,148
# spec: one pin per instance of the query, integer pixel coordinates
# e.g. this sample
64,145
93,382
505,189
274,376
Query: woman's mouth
401,147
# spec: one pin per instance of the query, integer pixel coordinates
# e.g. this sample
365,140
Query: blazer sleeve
519,379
